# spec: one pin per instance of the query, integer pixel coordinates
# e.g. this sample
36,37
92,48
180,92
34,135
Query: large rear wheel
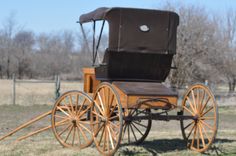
200,132
106,119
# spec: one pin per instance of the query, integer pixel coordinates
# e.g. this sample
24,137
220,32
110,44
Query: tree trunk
232,85
8,66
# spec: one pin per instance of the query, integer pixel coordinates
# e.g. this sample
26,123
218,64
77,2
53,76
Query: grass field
164,139
33,93
32,99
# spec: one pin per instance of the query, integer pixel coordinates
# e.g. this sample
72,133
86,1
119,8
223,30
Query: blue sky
55,15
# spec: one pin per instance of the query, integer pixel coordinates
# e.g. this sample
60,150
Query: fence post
13,89
57,86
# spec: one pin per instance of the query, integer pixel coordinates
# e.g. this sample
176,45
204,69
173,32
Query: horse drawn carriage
124,93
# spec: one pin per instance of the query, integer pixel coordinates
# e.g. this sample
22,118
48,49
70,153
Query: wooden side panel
90,82
130,101
123,97
133,100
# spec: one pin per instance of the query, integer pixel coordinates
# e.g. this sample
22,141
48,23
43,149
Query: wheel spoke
190,131
83,134
202,98
140,124
207,118
194,135
68,109
189,124
73,137
133,132
198,140
58,107
128,135
114,134
62,122
117,126
206,124
137,129
203,141
188,110
82,126
125,129
71,104
190,104
99,108
59,116
98,114
100,100
81,106
113,109
105,137
204,131
69,126
76,103
104,98
110,138
197,101
114,117
99,142
207,111
77,130
84,111
95,134
68,133
204,106
194,101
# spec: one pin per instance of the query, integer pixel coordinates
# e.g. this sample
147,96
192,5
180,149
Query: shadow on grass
156,147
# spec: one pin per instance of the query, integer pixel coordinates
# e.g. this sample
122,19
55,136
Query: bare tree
23,43
9,28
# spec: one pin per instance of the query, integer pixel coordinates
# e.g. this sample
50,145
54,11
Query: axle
156,116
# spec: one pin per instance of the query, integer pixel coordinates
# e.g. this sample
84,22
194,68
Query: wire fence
34,92
44,92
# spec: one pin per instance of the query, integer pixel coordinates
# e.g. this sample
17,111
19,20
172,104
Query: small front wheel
71,120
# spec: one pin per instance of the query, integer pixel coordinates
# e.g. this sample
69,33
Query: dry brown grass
164,139
33,93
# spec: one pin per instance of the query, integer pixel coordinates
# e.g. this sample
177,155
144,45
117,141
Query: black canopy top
138,30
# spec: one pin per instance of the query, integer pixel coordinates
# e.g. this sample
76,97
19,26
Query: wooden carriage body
133,93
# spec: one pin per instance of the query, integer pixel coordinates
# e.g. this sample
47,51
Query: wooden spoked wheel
200,132
106,119
72,112
135,131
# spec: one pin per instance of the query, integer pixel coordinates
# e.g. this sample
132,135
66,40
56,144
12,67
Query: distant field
44,93
34,93
164,139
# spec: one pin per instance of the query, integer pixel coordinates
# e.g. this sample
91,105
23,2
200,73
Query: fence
56,81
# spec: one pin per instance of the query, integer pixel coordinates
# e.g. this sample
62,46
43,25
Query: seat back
131,66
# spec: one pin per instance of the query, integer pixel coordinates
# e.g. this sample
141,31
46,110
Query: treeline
205,50
43,55
206,47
